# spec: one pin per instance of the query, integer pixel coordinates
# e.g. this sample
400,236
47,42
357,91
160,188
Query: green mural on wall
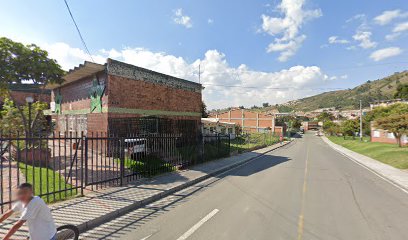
58,102
96,93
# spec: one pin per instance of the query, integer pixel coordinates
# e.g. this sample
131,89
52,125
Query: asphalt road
305,190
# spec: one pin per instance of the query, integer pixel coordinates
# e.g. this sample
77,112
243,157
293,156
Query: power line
79,32
322,68
273,88
364,66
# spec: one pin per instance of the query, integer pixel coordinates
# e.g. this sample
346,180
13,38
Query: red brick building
93,95
249,121
383,136
19,92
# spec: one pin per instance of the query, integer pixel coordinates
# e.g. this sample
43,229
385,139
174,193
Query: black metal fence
62,165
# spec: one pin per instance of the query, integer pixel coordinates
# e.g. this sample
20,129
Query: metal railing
62,165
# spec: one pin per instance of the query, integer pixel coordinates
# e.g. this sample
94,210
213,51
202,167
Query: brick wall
381,136
97,123
250,121
20,96
131,92
136,94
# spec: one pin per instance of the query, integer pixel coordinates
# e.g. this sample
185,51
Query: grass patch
149,166
252,142
215,150
212,150
46,181
389,154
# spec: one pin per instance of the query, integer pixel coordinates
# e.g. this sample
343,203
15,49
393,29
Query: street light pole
361,122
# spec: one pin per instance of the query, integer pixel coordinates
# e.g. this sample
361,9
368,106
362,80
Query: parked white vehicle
136,146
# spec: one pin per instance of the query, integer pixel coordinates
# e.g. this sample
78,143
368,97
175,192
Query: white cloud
361,17
286,29
256,86
332,78
210,21
398,30
385,53
364,37
401,27
286,48
181,19
69,57
388,16
392,36
336,40
363,23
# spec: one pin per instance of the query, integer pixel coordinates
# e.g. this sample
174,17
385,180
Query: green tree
10,120
325,116
265,105
349,128
204,113
402,91
296,124
394,123
26,63
378,112
331,128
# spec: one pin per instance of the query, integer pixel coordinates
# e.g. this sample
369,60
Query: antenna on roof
199,73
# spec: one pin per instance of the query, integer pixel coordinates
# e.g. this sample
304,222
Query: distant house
20,92
250,121
386,103
307,126
212,126
383,136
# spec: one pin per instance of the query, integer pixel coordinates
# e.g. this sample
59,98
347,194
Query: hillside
349,99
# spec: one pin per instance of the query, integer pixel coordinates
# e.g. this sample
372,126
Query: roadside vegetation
47,183
393,119
389,154
252,141
149,166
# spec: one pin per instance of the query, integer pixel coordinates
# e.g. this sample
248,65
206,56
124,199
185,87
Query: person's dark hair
25,186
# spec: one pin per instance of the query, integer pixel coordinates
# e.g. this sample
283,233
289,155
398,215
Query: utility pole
361,122
199,73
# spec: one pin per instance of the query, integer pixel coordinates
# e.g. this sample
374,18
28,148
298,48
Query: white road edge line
147,237
198,225
378,175
369,169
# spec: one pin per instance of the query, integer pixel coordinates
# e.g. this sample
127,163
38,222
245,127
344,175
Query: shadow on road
263,163
132,221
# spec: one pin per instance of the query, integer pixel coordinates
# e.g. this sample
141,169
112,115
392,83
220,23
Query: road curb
120,212
338,149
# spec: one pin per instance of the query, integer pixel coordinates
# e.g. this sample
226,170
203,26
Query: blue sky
277,50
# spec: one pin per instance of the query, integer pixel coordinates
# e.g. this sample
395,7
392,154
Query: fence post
202,150
86,162
122,160
82,162
229,144
218,145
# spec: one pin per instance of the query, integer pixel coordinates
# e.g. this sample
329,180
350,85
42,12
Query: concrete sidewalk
101,206
388,172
